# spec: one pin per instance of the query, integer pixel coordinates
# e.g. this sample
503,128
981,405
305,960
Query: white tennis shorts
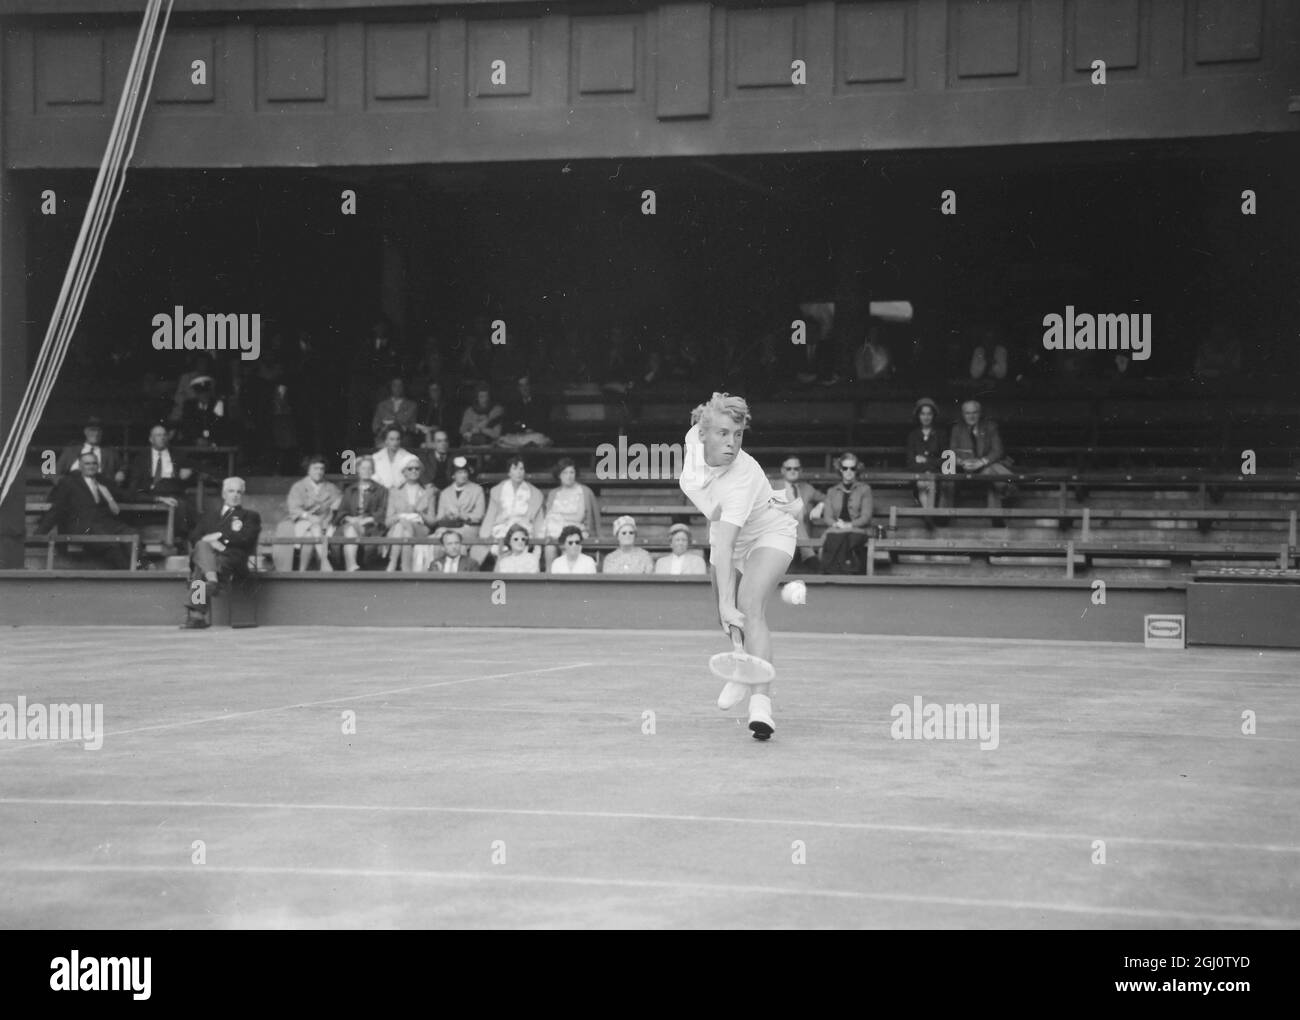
770,530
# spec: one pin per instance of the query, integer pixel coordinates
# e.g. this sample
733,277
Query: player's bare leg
764,568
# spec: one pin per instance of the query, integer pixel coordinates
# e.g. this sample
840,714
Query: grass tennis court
529,745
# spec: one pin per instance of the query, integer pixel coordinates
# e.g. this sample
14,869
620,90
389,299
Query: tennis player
752,534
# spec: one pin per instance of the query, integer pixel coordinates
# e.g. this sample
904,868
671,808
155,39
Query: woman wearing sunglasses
515,556
572,560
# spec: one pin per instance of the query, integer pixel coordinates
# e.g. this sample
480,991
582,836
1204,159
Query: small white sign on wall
1165,630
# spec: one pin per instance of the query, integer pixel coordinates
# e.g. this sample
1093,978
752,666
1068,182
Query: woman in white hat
628,558
683,559
752,535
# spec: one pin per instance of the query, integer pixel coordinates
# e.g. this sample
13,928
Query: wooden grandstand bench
54,539
889,549
1183,553
167,513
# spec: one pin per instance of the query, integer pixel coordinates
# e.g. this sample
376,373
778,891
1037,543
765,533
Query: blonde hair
724,404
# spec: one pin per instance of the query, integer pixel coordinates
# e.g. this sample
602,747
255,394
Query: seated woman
410,513
363,513
397,409
682,560
925,450
480,425
516,557
574,560
312,502
513,501
628,558
570,504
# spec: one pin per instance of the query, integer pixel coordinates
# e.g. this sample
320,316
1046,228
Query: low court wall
1027,609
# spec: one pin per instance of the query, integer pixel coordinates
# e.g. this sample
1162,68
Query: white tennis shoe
760,717
732,695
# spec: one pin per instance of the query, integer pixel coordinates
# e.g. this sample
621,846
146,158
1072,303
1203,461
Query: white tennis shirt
738,493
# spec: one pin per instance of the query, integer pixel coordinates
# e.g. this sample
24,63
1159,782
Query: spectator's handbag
844,552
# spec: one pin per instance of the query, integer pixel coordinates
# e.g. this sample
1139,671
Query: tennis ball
795,593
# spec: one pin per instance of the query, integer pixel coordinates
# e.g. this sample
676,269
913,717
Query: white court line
313,704
645,816
713,888
1035,730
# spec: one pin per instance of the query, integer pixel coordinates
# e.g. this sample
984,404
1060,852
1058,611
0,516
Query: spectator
480,425
108,462
616,371
223,541
516,557
989,358
410,513
513,501
574,560
526,417
203,418
871,361
83,505
395,409
200,366
792,481
312,503
375,361
461,507
978,446
925,450
454,559
391,459
628,558
157,476
435,455
846,513
683,559
434,413
309,387
362,513
428,369
571,503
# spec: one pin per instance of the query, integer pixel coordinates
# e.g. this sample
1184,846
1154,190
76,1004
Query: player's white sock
733,694
760,716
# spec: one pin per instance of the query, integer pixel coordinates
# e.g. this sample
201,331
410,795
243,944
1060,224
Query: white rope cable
52,350
105,195
95,226
122,147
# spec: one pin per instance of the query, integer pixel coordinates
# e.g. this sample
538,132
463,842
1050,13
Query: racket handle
737,639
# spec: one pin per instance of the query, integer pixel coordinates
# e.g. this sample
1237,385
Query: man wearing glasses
805,557
847,514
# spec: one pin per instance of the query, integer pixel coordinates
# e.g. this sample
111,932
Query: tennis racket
738,666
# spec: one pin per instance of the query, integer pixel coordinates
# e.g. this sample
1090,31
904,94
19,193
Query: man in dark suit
223,540
159,476
978,446
83,505
203,418
526,418
110,464
454,560
436,458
